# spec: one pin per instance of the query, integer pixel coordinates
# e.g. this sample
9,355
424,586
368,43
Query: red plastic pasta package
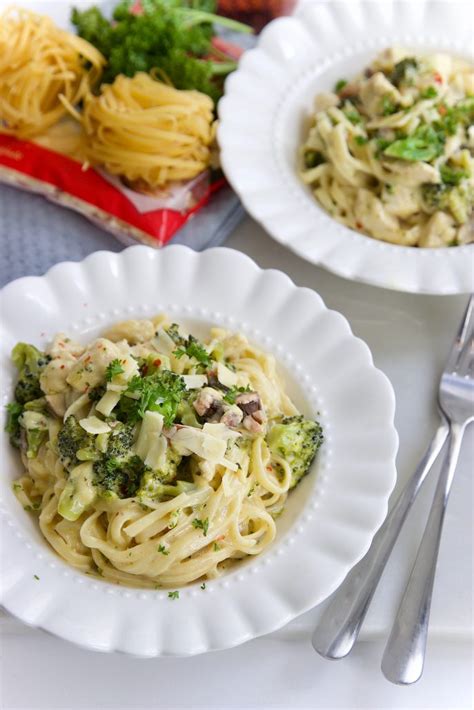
101,197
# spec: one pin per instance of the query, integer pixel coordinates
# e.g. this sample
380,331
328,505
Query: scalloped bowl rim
258,589
352,255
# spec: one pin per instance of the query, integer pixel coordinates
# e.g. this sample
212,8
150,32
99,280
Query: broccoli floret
297,440
120,441
152,484
30,363
459,199
119,476
13,427
71,439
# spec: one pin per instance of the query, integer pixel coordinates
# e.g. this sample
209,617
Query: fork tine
461,350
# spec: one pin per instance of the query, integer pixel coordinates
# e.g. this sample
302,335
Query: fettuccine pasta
148,132
154,459
41,67
390,154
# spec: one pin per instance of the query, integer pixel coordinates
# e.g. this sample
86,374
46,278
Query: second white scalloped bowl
263,114
330,518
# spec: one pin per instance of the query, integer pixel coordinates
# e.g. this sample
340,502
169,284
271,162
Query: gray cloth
35,234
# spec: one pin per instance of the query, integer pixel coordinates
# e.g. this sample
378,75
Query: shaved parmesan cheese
163,343
194,382
191,440
106,403
151,426
80,402
225,376
116,388
94,425
155,457
220,431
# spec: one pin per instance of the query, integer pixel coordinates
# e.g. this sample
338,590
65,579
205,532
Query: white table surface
409,337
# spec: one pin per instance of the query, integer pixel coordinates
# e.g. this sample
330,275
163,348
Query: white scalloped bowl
262,123
330,518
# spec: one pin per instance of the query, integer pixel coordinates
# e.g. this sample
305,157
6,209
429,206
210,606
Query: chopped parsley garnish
361,140
173,595
193,348
216,547
353,116
114,368
201,525
160,392
388,106
232,393
203,585
339,85
163,550
35,576
428,93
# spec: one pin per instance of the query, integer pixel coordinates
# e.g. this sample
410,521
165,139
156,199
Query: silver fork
404,654
340,624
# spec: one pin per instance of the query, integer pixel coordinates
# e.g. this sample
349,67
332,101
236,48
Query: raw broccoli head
30,363
71,439
297,440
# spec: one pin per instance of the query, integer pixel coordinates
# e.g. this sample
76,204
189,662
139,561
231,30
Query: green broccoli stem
221,68
200,17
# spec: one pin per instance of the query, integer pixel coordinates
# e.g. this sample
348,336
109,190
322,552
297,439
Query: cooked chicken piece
325,100
134,331
248,402
53,379
62,346
209,404
373,217
89,370
57,404
439,231
232,416
466,232
413,174
251,405
400,201
373,92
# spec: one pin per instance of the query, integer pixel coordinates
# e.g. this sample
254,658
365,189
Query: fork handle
339,626
404,654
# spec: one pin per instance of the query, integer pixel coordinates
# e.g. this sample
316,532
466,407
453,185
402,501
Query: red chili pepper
157,362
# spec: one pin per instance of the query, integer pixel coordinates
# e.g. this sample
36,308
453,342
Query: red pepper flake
62,367
359,225
438,78
88,358
269,468
442,110
157,362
